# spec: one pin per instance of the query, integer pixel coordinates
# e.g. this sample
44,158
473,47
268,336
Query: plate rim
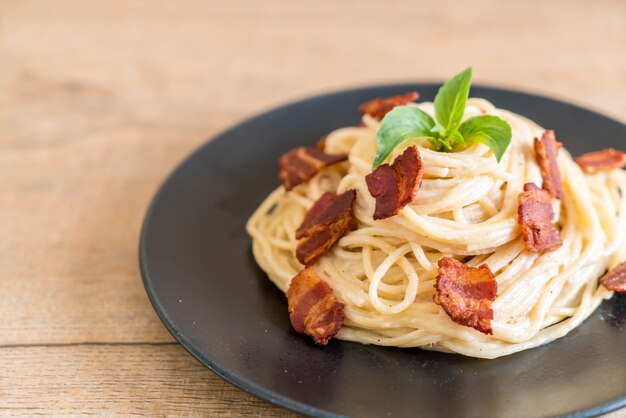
242,383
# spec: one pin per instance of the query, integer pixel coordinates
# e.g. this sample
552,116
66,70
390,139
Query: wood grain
133,377
101,100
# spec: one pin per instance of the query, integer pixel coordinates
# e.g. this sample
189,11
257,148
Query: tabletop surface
101,100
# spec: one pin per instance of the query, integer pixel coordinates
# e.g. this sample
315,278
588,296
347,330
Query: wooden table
99,101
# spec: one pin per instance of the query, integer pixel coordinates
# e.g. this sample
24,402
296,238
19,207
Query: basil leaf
399,125
457,138
450,102
490,130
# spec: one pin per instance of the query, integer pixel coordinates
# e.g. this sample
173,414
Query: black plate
200,275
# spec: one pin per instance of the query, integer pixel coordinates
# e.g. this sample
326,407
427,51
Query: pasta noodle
384,271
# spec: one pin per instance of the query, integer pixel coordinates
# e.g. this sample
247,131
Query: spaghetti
384,271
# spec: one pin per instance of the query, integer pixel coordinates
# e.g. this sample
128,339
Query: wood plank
115,380
69,258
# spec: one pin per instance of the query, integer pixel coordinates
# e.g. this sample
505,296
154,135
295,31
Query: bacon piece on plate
329,219
395,186
615,279
604,160
546,151
535,216
465,293
321,143
302,163
313,308
378,108
382,184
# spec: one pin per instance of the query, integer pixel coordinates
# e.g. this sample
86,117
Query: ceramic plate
199,273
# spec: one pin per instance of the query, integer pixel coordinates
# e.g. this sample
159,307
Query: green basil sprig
446,130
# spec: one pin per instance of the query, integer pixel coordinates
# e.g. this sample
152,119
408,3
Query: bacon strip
605,160
465,293
395,186
378,108
302,163
546,151
615,279
329,219
535,216
313,308
321,143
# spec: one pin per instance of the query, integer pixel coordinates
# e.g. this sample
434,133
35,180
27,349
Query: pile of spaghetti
448,250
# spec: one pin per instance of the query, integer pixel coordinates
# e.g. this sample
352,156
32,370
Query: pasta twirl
467,208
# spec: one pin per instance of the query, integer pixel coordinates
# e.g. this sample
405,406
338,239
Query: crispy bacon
395,186
378,108
546,151
465,293
382,184
302,163
329,219
313,308
615,279
607,159
535,216
321,143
